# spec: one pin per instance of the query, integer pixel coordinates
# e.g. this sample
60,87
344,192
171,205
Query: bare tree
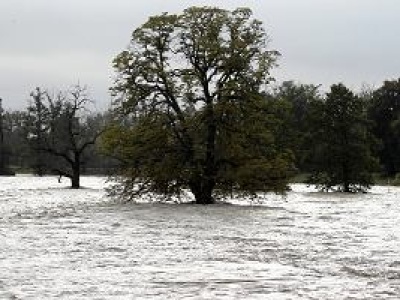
62,128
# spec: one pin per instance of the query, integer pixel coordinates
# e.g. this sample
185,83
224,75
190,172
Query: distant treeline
320,129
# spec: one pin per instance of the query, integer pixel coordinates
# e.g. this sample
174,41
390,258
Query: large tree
342,144
193,115
61,130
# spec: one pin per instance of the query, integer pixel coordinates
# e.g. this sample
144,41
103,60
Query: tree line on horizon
320,131
212,124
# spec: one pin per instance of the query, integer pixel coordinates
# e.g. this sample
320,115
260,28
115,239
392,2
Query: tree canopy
189,93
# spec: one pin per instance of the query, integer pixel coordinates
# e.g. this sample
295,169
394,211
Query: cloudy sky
58,43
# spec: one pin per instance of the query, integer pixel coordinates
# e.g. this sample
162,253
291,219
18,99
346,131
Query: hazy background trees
4,147
15,138
297,131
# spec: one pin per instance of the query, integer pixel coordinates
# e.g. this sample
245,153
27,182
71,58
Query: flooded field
58,243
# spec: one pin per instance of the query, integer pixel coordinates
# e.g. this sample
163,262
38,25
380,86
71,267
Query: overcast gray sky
58,43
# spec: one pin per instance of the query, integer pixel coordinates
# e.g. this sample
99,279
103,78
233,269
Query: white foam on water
59,243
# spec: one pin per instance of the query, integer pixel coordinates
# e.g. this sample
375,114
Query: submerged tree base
206,201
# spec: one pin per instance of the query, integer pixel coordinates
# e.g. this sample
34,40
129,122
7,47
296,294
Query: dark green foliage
385,112
341,145
296,131
4,145
15,139
189,93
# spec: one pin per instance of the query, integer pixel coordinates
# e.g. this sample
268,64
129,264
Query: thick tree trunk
76,173
202,187
75,181
202,191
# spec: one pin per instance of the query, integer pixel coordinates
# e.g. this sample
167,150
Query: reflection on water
57,243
